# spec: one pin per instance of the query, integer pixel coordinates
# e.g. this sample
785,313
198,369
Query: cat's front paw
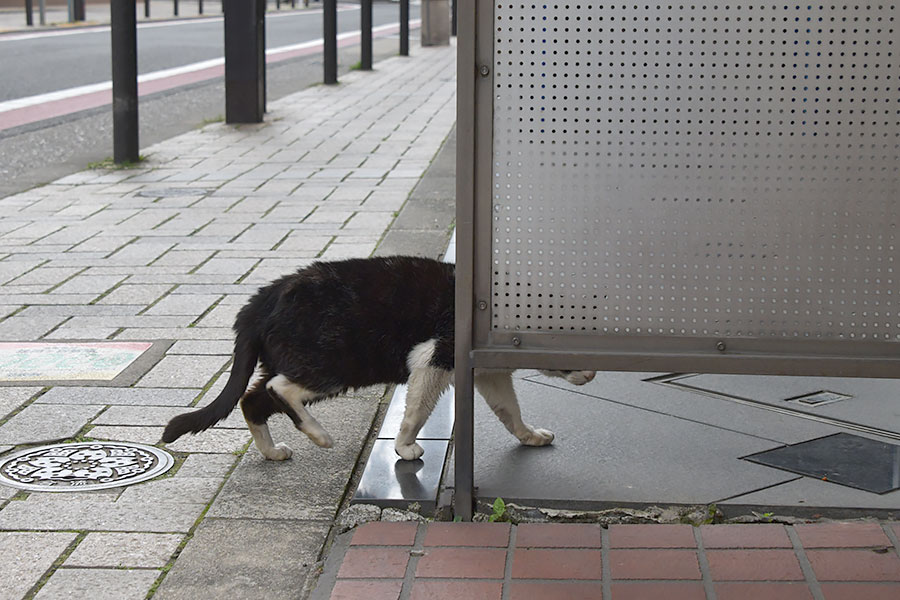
536,437
318,435
409,451
279,452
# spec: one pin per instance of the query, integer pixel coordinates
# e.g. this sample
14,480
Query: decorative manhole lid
83,466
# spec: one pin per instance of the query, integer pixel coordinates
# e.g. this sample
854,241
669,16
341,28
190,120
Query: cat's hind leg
424,388
497,389
295,396
257,406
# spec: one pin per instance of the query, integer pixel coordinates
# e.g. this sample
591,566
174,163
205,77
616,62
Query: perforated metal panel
709,169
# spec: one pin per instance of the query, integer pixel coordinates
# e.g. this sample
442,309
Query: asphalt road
41,152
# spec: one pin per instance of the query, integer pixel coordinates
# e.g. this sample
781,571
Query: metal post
329,23
404,27
70,5
146,9
29,13
245,61
200,7
453,18
175,7
42,7
123,23
366,35
78,11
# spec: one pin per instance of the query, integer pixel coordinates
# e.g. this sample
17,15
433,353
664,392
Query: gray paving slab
183,371
143,397
46,512
813,496
310,484
636,389
612,453
26,557
12,398
138,415
215,441
174,490
99,584
38,423
111,550
871,402
244,559
206,465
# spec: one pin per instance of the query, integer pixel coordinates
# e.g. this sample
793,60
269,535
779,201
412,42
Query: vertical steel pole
453,18
79,14
366,34
146,9
464,451
200,7
329,23
29,13
42,7
404,27
123,24
175,7
245,61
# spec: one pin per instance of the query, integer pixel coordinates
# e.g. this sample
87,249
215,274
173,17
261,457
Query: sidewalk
167,253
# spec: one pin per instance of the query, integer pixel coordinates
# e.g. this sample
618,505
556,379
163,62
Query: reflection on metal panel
689,170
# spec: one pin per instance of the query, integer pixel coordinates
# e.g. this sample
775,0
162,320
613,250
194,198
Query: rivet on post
482,305
484,70
720,346
516,341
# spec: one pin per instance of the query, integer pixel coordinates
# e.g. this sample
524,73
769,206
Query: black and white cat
334,326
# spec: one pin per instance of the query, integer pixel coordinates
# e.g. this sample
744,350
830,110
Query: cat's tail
245,357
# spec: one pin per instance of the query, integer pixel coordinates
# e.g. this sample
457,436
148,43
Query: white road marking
164,73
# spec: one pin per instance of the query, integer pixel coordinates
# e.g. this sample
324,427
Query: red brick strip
489,561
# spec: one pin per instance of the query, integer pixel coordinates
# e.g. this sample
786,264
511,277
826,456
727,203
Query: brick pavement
494,561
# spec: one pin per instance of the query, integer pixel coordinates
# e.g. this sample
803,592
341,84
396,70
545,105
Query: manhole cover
83,466
842,458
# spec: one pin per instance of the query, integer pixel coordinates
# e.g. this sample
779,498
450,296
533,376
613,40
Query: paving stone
135,294
183,371
263,489
216,441
175,490
244,559
98,514
26,557
183,304
206,465
144,397
39,423
98,584
193,347
152,550
27,328
138,415
12,398
88,284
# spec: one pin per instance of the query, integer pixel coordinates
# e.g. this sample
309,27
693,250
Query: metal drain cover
842,458
83,466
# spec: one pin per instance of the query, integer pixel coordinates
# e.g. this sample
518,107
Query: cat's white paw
537,437
580,377
409,451
279,452
319,436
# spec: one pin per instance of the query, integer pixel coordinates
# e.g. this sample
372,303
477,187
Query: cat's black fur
333,326
338,325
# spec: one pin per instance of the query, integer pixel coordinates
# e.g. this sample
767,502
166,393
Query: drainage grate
842,458
83,466
819,398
